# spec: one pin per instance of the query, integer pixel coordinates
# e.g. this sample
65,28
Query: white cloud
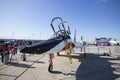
101,1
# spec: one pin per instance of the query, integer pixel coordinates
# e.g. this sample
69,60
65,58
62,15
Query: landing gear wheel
50,68
106,54
84,55
58,54
24,57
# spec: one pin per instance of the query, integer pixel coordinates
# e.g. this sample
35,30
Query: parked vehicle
103,41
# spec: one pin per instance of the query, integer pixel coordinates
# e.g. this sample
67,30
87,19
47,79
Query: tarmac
94,67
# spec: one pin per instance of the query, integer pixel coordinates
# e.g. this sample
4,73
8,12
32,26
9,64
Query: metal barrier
112,50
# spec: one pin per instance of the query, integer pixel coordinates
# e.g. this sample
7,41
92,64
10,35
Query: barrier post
98,50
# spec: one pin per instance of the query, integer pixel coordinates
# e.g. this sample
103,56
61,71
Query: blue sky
31,18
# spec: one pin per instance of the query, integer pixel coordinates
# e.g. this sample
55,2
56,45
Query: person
6,54
2,56
15,49
81,44
1,51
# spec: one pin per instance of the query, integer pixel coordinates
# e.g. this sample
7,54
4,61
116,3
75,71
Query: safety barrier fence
112,50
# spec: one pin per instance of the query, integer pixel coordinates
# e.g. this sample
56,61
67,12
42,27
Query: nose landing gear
50,68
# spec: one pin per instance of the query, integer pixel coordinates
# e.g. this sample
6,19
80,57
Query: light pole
13,35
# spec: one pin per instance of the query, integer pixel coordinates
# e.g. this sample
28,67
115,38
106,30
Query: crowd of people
10,48
6,52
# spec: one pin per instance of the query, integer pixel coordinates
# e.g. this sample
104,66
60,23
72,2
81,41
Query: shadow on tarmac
56,72
20,65
59,72
23,65
36,62
94,67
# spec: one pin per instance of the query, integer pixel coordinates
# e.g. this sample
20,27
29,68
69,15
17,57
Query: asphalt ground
94,66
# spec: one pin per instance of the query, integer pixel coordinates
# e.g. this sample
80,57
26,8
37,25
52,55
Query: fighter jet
59,42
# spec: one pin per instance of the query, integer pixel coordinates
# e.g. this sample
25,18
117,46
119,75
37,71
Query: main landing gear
50,68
